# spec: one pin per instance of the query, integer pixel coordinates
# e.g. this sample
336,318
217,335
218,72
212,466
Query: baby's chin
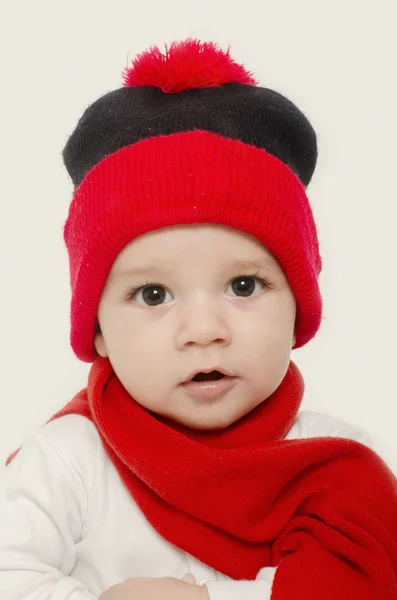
214,422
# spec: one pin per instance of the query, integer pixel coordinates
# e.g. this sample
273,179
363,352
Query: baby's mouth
209,386
213,376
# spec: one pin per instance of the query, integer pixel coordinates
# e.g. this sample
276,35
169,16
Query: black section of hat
254,115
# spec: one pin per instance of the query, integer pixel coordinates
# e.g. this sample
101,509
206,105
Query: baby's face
197,298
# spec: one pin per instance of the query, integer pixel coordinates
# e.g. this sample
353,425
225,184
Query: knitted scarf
323,510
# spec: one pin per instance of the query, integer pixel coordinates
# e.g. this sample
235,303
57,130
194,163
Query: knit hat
189,138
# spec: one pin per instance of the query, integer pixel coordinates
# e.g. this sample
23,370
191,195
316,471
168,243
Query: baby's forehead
173,250
197,238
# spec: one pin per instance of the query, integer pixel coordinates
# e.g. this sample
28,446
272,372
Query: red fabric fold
323,510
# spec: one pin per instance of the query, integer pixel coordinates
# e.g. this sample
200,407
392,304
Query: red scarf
323,510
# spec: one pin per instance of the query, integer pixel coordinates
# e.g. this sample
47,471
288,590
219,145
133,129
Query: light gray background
335,59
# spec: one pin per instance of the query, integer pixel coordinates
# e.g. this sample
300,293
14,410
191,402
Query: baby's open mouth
213,376
209,386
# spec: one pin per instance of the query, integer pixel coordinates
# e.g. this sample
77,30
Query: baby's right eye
151,295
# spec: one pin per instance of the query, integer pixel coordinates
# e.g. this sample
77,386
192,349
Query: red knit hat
189,138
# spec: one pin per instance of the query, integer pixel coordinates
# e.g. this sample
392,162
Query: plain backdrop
335,59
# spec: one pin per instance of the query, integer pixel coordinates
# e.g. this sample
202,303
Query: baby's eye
247,286
152,295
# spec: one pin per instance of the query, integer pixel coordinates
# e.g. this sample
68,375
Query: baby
185,469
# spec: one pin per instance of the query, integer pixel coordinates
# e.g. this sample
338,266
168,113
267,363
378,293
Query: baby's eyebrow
256,264
136,271
160,269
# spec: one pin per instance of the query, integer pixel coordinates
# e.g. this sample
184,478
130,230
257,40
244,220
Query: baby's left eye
246,286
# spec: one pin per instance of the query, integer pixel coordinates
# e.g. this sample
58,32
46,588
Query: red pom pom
185,66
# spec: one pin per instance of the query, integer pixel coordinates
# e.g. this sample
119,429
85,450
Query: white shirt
69,529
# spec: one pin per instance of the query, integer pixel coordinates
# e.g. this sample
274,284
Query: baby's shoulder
310,423
70,432
71,440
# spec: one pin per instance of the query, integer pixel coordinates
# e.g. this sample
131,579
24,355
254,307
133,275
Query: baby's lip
217,368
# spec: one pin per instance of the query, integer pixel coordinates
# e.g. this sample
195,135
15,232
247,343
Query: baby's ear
100,345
